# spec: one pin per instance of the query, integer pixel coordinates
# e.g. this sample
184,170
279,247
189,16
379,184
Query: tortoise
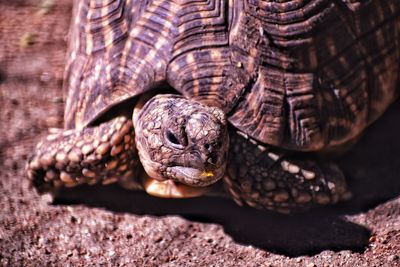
257,95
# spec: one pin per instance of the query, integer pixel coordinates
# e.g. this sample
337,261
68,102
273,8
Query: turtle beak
171,189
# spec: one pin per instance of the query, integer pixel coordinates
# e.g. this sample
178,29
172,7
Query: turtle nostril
212,160
207,147
172,138
176,140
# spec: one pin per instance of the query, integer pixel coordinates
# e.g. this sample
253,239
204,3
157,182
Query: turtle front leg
264,179
105,153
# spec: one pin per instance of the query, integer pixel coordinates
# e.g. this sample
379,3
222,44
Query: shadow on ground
372,169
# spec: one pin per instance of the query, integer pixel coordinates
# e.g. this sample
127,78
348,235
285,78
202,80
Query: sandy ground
111,226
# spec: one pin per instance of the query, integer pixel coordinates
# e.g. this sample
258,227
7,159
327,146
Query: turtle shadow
291,235
371,167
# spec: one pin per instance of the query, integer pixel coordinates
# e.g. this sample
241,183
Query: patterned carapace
300,74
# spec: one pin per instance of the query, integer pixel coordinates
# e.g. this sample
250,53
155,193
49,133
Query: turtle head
180,142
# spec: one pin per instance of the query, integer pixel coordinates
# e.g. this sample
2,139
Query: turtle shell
324,69
300,74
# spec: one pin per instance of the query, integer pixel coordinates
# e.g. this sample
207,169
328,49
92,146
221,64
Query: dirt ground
111,226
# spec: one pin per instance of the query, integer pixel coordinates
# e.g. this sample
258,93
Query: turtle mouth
183,182
195,177
177,181
171,189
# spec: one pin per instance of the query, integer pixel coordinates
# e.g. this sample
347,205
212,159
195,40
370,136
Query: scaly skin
267,178
104,153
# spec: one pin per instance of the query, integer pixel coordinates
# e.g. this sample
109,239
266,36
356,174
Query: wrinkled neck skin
181,141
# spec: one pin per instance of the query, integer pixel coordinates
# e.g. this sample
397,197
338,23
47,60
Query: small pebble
293,168
45,77
27,39
308,174
46,6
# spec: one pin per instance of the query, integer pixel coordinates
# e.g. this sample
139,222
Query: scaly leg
264,179
105,153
